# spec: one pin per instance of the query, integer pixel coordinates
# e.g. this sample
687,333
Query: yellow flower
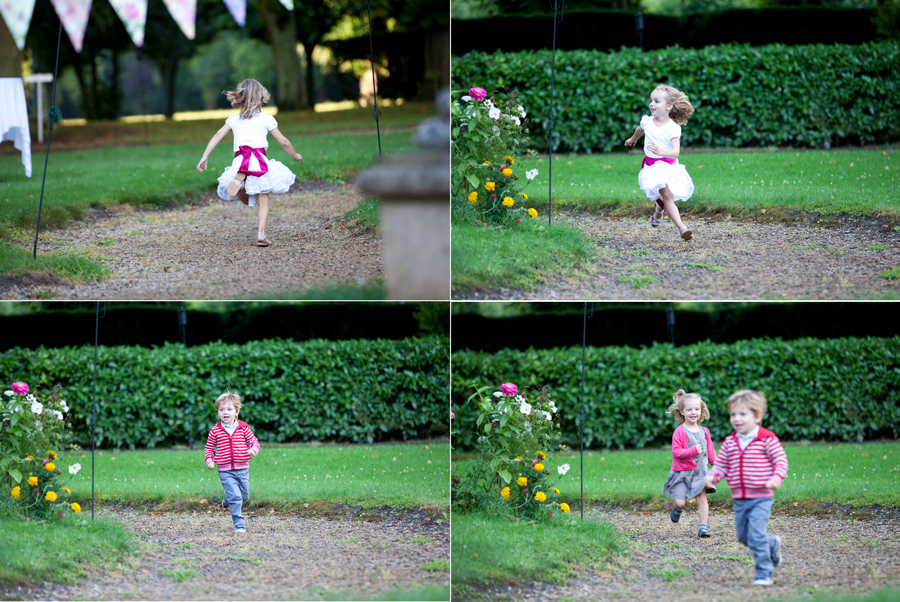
564,508
510,159
49,466
532,212
30,457
473,197
508,201
489,186
556,491
76,508
540,496
518,457
504,493
539,467
50,496
69,491
16,491
51,454
523,195
507,172
487,162
541,456
522,481
32,481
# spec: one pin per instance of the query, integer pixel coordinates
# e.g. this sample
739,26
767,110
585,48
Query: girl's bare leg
668,200
679,504
262,214
703,508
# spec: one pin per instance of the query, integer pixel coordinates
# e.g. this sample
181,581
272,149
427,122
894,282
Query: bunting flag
17,14
238,10
185,14
74,16
288,4
133,14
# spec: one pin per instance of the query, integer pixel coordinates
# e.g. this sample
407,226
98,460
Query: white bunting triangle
288,4
185,14
17,15
238,10
74,15
133,14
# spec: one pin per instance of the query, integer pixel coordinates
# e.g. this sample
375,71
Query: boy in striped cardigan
755,465
231,444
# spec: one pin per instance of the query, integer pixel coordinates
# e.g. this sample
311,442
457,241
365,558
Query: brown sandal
236,184
242,194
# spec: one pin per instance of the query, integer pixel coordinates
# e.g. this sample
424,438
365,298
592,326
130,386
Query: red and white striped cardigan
749,469
231,452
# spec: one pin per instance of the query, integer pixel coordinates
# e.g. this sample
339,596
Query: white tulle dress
252,133
655,177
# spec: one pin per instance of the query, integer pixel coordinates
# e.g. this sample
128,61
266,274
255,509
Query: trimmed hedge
805,96
356,391
836,389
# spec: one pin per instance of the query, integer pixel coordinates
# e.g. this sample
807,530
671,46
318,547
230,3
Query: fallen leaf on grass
306,505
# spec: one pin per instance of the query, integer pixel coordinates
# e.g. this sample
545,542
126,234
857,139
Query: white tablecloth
14,118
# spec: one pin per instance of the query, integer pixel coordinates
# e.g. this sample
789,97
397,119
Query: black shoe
703,532
675,515
224,505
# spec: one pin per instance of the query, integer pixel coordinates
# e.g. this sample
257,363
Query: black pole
375,113
581,419
94,401
639,28
557,4
52,117
182,328
670,324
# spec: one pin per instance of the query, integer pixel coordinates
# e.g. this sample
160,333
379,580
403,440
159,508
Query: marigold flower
67,490
32,481
564,507
473,197
16,491
504,493
507,172
533,212
539,467
50,496
510,159
76,508
49,466
541,455
540,496
522,481
487,162
555,490
52,454
489,186
508,201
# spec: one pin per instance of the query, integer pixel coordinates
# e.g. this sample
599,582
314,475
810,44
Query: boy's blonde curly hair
681,106
249,97
233,398
677,407
754,400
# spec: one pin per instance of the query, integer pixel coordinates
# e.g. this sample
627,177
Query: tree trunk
10,57
169,74
310,71
283,37
437,61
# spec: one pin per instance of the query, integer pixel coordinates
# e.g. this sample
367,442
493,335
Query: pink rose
452,415
508,389
20,388
477,93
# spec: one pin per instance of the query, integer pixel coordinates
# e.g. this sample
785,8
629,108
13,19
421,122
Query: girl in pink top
692,448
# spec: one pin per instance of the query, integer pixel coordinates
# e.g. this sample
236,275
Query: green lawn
407,475
858,474
742,182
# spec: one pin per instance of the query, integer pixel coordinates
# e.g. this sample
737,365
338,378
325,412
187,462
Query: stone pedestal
415,212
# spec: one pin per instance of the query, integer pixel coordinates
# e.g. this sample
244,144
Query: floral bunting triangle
17,15
133,14
238,10
288,4
74,16
185,14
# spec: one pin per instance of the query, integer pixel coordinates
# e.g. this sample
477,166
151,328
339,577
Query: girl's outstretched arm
638,132
201,167
672,154
286,145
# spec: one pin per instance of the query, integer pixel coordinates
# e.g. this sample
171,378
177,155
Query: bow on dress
245,152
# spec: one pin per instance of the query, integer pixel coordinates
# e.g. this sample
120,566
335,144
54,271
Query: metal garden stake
558,5
94,401
581,419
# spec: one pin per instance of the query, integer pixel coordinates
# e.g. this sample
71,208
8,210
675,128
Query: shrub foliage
357,391
803,96
835,389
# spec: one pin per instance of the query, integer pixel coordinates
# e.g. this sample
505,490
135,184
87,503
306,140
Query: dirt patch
818,257
281,556
208,250
821,554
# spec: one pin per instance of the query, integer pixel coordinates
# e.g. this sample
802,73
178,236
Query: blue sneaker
675,515
704,532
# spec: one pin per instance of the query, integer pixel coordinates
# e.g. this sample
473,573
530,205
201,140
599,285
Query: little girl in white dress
252,176
662,178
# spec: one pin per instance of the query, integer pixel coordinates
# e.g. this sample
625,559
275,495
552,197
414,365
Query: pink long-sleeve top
231,452
749,469
683,452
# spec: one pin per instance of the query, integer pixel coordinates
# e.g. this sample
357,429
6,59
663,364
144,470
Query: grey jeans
751,518
237,491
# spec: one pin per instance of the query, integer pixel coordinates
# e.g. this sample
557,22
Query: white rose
525,408
494,113
64,406
547,416
489,103
9,393
466,98
521,111
516,121
531,174
498,394
553,407
30,398
563,469
520,399
37,407
59,415
73,470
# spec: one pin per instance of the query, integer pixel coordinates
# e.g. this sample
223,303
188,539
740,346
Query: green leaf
505,476
16,475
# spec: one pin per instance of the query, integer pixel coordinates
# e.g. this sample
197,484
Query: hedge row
836,389
356,391
805,96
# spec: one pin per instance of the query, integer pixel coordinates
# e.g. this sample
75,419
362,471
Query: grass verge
16,261
491,550
60,551
374,292
489,258
366,216
427,593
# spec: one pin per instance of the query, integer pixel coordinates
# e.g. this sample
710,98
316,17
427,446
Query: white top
744,440
251,132
14,118
230,429
662,136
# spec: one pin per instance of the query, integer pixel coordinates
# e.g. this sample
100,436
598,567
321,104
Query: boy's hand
773,484
253,453
210,465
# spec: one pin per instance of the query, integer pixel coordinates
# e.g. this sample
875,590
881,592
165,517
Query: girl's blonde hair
681,106
234,399
677,406
249,97
754,400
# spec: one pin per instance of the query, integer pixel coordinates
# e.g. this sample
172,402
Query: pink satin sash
245,152
648,161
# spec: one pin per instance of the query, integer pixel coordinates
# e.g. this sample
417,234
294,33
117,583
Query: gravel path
208,250
280,557
820,554
728,259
